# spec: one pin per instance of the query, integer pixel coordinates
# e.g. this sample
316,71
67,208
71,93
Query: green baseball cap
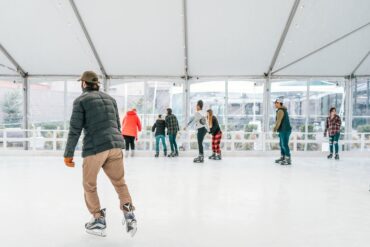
90,77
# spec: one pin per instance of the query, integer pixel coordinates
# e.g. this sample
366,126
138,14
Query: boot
212,157
129,219
199,159
280,160
97,226
218,157
132,153
286,161
171,155
165,153
176,154
330,156
336,156
156,155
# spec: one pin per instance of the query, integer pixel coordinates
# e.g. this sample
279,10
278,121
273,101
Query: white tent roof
219,38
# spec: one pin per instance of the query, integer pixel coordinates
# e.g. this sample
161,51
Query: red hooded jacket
131,124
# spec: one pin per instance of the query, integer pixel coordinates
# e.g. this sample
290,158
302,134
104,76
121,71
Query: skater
201,125
215,131
159,128
282,126
172,128
333,123
96,114
131,125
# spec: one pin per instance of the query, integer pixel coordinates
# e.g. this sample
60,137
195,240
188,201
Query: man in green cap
96,114
283,127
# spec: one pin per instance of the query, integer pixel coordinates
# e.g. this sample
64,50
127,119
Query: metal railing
55,140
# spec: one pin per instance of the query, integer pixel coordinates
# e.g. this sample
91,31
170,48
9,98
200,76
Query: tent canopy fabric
175,38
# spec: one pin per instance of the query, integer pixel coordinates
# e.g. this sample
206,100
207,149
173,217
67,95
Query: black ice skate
336,156
199,159
156,155
97,226
330,156
171,155
212,157
176,154
218,157
280,160
286,161
165,153
129,219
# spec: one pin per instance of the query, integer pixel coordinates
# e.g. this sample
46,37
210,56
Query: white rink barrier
55,140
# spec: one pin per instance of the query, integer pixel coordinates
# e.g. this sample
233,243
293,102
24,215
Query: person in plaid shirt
333,123
172,128
215,131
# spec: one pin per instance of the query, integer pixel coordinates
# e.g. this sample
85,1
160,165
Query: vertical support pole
65,118
307,114
186,91
106,84
348,111
26,109
266,110
226,111
145,112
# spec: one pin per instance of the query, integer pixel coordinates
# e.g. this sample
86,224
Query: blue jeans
157,140
284,143
333,141
173,144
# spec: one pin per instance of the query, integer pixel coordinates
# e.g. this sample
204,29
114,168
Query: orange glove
68,161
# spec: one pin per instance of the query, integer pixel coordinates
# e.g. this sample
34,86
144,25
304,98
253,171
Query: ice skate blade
100,233
134,228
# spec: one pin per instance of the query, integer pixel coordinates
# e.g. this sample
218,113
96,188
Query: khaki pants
112,163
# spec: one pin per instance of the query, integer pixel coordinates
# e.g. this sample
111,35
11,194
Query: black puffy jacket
96,113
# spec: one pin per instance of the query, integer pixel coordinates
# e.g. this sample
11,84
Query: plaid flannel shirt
172,124
333,125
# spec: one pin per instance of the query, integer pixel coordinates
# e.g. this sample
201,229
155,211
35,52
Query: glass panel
244,107
361,105
11,104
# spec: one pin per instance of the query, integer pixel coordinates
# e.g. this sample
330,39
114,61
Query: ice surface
236,202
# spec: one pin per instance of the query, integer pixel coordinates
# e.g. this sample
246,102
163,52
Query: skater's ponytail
210,117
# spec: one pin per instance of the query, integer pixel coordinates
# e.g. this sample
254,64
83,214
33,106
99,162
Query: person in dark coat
96,113
159,128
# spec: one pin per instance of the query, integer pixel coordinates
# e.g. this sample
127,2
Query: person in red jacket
131,125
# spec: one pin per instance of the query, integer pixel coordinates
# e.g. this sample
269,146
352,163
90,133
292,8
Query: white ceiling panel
234,37
340,58
317,23
44,37
142,37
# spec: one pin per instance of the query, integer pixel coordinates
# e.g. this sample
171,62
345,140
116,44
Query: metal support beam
348,109
186,63
26,108
360,63
19,69
87,35
322,48
283,35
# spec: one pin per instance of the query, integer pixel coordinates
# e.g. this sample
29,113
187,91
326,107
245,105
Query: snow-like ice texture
236,202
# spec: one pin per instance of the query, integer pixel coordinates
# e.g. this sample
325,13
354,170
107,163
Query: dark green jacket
96,113
282,122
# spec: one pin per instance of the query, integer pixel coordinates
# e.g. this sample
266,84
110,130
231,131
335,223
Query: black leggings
129,141
200,136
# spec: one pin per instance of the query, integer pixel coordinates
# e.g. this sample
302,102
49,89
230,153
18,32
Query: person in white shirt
200,123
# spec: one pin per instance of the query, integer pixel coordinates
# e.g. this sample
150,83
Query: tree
11,107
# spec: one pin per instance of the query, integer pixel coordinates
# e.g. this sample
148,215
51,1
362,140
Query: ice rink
236,202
